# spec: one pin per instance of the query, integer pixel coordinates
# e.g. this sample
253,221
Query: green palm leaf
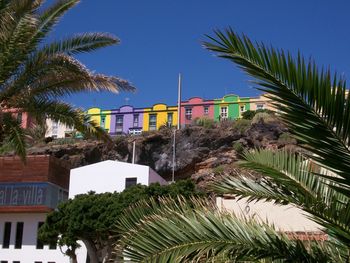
34,75
290,178
312,102
179,233
14,134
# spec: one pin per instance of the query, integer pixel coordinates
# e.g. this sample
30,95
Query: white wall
28,253
108,176
286,218
59,132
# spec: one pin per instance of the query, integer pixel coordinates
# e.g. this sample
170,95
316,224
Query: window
170,120
206,110
136,120
19,117
52,246
259,106
188,113
119,124
19,235
130,182
54,128
103,121
223,113
7,235
153,122
242,108
39,244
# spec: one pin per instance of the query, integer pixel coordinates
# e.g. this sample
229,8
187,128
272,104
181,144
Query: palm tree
34,74
316,107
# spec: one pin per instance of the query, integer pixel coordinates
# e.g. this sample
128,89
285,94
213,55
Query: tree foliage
35,73
91,217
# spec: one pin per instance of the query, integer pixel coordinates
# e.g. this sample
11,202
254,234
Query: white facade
284,217
28,253
109,176
56,129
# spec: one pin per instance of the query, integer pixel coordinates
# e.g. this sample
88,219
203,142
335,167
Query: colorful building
130,120
159,115
23,117
261,103
126,120
230,107
101,117
194,108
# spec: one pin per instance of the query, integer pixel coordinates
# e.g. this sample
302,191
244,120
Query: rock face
199,150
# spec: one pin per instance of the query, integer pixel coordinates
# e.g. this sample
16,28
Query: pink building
23,117
196,107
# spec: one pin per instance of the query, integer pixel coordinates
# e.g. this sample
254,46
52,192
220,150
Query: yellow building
159,115
101,117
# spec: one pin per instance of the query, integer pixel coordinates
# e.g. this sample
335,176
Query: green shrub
241,125
249,114
205,122
263,117
63,141
238,147
286,138
218,170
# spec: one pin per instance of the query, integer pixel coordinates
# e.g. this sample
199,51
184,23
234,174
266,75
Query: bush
241,125
218,170
63,141
286,138
249,115
263,117
238,147
205,122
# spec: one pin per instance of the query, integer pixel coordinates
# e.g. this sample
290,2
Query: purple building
126,120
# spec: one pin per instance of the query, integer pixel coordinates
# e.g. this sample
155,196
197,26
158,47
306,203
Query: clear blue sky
160,38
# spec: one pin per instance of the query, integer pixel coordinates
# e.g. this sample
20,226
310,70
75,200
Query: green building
230,107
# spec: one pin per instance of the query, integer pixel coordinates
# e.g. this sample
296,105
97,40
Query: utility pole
133,151
179,103
174,160
177,128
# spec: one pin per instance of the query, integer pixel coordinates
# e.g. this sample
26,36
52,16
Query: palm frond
66,114
15,134
52,14
80,43
289,178
311,101
181,235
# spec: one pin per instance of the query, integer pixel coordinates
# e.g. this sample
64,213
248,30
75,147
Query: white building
57,129
284,217
110,176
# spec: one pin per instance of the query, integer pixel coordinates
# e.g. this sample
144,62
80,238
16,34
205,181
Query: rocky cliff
200,151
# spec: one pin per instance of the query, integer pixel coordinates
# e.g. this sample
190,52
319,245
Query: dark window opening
19,235
39,243
130,182
52,245
7,235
